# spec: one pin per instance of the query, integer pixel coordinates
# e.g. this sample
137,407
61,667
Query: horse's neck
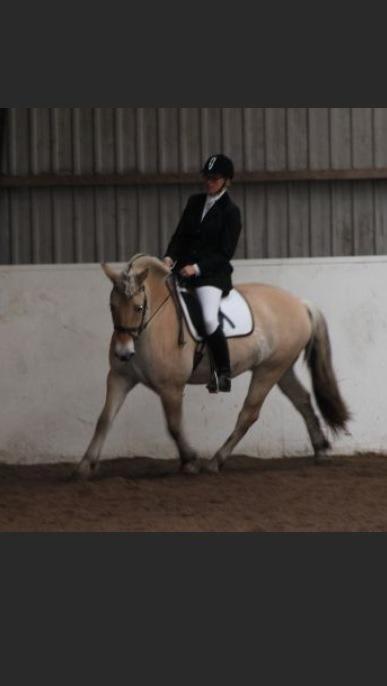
157,289
161,334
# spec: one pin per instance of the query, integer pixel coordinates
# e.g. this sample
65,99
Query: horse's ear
140,278
110,273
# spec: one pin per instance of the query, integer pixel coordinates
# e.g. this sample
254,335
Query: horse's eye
139,308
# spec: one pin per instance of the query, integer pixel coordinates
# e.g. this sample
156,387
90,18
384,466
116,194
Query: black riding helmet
219,165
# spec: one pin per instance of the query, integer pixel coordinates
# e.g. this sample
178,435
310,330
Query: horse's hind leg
300,398
262,380
118,386
172,401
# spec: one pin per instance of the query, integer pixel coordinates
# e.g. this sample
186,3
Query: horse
145,349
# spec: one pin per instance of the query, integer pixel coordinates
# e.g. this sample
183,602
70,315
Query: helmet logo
211,162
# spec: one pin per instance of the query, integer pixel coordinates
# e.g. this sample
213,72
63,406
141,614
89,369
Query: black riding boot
217,343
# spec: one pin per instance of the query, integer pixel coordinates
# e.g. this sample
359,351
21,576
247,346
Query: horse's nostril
124,357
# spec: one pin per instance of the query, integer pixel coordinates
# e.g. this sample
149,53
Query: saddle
235,316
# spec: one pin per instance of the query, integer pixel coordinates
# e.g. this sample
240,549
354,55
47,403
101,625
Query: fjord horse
144,349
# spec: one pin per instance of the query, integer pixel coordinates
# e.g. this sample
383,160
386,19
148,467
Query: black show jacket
210,243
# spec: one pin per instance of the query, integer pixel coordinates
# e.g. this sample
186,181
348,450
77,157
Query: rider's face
214,184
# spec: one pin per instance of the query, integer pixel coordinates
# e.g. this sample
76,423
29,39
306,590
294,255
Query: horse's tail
325,386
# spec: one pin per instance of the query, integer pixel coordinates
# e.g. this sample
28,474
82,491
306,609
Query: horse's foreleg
262,381
300,398
172,401
118,387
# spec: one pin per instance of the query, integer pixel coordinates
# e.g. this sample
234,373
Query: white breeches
209,298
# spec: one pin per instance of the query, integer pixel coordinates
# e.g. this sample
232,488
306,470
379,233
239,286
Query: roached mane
127,283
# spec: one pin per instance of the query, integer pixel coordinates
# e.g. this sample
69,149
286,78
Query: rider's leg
209,298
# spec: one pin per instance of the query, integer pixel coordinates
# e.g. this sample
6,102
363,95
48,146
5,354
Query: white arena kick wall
55,329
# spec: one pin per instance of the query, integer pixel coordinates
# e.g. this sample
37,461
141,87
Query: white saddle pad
238,320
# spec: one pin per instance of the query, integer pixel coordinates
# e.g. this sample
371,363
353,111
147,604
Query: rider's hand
188,270
169,262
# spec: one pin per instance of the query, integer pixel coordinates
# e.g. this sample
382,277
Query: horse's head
128,304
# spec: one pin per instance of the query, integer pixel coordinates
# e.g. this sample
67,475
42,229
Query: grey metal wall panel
42,226
4,168
168,139
125,139
61,140
63,225
5,228
40,140
232,139
104,140
127,222
147,139
362,138
105,214
149,235
254,138
319,138
298,220
297,137
83,140
380,217
277,220
254,221
340,138
211,126
380,136
190,140
320,220
106,223
363,219
18,140
275,138
20,228
342,219
85,249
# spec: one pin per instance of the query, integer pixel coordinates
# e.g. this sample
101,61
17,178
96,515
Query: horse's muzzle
124,348
124,356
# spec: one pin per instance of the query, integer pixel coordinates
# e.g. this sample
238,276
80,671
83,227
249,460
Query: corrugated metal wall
289,219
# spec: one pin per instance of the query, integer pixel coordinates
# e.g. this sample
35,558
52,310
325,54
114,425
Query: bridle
136,331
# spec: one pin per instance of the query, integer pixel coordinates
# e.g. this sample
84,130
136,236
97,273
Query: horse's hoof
323,458
211,466
191,467
84,471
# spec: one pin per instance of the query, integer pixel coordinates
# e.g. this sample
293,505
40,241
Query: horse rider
200,251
